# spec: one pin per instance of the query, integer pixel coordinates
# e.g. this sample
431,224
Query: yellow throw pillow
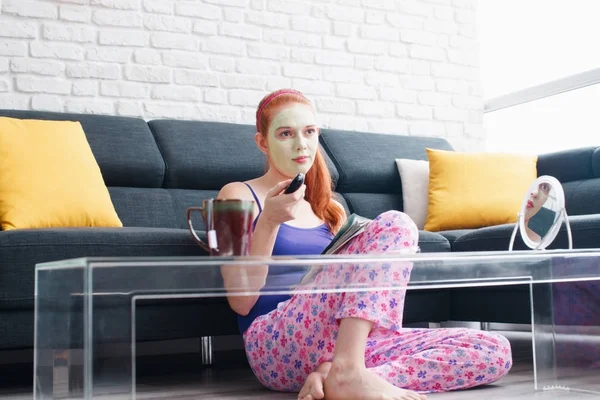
473,190
50,178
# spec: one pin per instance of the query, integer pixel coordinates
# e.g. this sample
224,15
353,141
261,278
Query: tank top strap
255,197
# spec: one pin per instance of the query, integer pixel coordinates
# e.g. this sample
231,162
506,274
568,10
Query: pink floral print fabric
290,342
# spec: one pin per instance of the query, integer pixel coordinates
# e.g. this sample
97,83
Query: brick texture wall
389,66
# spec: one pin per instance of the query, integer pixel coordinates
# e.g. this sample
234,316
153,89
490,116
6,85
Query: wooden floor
241,385
236,382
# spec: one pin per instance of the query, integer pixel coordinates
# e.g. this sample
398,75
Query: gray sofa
156,169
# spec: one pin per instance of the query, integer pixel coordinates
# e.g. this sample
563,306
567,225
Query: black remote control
295,185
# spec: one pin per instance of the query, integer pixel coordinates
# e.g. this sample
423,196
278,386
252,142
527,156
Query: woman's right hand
279,207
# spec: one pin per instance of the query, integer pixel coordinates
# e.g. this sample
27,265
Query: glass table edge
207,261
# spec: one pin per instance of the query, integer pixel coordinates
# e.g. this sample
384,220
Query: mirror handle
514,233
570,236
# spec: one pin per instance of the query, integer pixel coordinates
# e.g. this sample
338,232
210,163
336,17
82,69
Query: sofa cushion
454,234
123,147
464,192
578,170
208,155
21,250
414,175
504,304
50,178
146,207
567,165
158,208
366,161
184,198
432,242
579,196
370,205
585,230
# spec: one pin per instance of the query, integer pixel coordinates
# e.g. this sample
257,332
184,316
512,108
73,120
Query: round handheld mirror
542,214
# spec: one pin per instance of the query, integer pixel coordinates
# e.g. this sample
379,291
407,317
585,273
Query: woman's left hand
313,387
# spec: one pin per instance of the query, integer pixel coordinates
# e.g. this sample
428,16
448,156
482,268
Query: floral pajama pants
290,342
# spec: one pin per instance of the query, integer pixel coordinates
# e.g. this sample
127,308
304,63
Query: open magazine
354,226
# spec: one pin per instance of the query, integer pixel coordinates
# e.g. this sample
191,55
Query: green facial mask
290,140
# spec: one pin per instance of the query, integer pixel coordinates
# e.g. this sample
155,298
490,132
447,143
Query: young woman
347,346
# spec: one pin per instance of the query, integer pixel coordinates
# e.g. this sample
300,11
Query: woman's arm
277,209
238,279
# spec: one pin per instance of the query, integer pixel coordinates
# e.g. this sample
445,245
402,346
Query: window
540,73
567,120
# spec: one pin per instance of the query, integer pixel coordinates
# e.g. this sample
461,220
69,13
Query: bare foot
313,386
358,383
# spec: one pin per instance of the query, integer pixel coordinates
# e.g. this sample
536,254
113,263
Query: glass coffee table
83,303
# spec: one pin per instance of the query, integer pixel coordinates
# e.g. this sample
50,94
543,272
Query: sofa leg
485,326
206,347
64,382
60,374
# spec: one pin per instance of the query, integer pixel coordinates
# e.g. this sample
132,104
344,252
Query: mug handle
191,227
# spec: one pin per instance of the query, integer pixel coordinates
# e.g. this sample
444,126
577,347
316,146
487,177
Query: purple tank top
290,241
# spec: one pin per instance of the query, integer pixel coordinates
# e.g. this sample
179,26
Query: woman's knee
501,364
504,347
389,231
399,223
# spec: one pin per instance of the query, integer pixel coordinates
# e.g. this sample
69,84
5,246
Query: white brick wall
390,66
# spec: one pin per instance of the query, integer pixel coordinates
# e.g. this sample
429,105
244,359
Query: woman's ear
261,142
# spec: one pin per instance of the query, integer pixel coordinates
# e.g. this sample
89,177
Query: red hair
319,187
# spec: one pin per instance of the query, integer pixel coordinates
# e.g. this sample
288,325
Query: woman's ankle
344,364
352,338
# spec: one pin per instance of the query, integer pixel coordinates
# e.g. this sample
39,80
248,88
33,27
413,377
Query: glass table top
427,271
